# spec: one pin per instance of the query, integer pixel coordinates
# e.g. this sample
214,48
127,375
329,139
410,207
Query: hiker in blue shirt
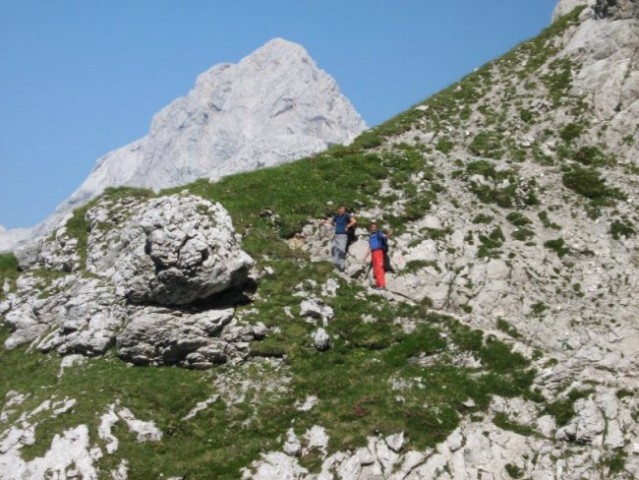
342,221
378,249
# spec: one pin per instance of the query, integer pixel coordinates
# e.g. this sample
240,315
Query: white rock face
149,269
272,107
607,51
174,251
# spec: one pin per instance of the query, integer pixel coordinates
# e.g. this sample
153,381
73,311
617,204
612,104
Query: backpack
387,263
384,242
351,236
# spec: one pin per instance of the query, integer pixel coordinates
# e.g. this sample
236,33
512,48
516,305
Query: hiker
343,223
377,248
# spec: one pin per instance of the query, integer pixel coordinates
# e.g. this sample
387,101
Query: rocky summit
202,332
272,107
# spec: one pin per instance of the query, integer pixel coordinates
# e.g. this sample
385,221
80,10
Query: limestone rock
164,336
321,340
177,250
618,9
566,6
316,309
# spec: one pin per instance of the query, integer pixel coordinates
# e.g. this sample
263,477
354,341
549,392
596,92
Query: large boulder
176,250
149,263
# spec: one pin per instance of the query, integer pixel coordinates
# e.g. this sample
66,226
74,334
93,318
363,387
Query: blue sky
79,78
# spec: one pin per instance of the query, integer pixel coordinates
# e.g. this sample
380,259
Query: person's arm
351,222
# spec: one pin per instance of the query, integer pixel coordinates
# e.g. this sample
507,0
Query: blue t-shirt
376,241
341,221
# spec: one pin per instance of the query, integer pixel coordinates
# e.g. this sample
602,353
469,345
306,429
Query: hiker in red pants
378,246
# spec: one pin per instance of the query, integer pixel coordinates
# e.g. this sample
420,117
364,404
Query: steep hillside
506,345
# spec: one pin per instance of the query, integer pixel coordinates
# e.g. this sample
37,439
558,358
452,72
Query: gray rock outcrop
174,252
149,280
617,9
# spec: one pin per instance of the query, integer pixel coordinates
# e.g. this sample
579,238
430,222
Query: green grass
353,381
518,219
491,243
558,246
9,271
571,131
505,423
621,228
588,183
488,145
563,409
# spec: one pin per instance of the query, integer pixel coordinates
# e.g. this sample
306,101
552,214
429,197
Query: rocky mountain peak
272,107
280,50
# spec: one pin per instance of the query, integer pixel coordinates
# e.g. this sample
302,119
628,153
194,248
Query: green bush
543,216
526,115
591,156
523,234
615,462
487,144
588,183
564,409
482,218
491,243
444,145
514,471
620,229
518,219
502,421
507,328
570,132
558,246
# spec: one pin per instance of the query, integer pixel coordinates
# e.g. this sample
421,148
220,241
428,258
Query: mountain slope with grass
505,346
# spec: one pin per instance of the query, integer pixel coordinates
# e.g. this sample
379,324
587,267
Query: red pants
377,257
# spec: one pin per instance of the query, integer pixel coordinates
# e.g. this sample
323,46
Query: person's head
341,209
373,227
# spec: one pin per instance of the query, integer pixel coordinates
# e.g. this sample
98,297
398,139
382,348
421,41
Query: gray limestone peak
274,106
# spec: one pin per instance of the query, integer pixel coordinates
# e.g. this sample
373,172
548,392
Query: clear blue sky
79,78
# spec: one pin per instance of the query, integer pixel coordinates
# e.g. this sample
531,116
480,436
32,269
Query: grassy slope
352,380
